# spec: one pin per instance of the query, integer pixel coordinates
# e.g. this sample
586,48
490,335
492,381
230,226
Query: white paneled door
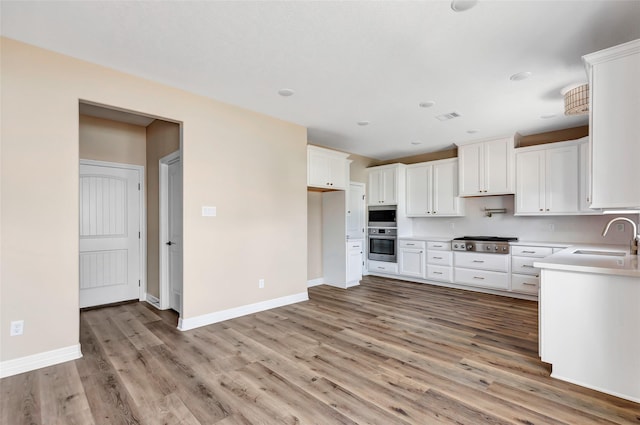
110,226
175,234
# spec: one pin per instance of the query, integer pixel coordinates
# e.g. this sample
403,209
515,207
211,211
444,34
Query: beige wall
252,167
106,140
163,138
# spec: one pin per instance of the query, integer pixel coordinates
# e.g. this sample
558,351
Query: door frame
163,167
142,240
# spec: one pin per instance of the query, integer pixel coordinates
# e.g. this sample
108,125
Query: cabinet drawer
524,265
403,243
531,251
383,267
354,245
472,260
440,273
525,284
442,258
439,246
484,278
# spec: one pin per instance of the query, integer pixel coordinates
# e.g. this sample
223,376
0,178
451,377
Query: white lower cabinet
525,278
483,278
439,261
354,262
412,258
484,270
382,267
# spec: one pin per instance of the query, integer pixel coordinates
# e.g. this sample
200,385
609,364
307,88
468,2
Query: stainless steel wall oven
383,244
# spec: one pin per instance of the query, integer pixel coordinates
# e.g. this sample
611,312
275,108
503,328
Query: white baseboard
232,313
315,282
37,361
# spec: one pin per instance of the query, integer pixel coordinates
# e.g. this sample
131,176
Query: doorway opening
119,141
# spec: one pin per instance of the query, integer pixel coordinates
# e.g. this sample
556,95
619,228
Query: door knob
170,243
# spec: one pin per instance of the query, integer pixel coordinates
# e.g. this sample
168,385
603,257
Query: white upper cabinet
486,168
383,185
327,169
547,180
432,189
614,122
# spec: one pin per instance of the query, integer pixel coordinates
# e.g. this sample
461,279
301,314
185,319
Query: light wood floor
386,352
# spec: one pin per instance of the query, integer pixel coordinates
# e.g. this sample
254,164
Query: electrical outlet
261,283
620,227
17,327
551,227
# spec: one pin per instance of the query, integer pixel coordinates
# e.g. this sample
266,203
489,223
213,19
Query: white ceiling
349,61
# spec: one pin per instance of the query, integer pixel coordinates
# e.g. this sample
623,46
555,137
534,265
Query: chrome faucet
636,237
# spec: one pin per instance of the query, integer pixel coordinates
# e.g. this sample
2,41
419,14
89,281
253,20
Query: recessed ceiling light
547,116
462,5
362,123
286,92
416,142
427,104
472,131
520,76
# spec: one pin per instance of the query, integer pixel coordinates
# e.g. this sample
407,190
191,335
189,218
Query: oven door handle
383,237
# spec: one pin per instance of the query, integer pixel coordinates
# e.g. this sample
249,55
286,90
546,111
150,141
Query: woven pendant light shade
576,100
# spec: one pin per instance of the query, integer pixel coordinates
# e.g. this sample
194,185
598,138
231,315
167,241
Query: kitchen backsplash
574,229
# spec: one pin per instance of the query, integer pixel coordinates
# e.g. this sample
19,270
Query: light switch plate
209,211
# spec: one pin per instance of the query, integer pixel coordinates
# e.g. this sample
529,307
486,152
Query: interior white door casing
171,241
111,232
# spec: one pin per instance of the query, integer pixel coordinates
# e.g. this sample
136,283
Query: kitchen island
590,318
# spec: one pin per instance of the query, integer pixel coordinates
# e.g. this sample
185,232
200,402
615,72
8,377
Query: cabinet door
530,182
498,166
444,193
338,172
318,173
412,262
354,262
614,127
356,211
561,181
375,187
418,191
470,158
584,171
389,185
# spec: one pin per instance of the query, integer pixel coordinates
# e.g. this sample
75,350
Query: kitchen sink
607,253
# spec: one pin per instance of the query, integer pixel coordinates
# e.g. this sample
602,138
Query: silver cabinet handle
437,272
528,252
478,277
410,244
437,258
437,246
526,266
528,283
478,261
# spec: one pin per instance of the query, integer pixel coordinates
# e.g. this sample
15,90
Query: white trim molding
40,360
154,301
232,313
315,282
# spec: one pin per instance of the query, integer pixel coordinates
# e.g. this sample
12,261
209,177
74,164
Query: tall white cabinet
432,189
614,121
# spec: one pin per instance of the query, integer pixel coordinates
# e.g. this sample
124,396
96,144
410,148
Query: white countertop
587,263
426,238
549,244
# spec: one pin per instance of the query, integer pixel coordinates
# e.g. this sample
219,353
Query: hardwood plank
387,352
